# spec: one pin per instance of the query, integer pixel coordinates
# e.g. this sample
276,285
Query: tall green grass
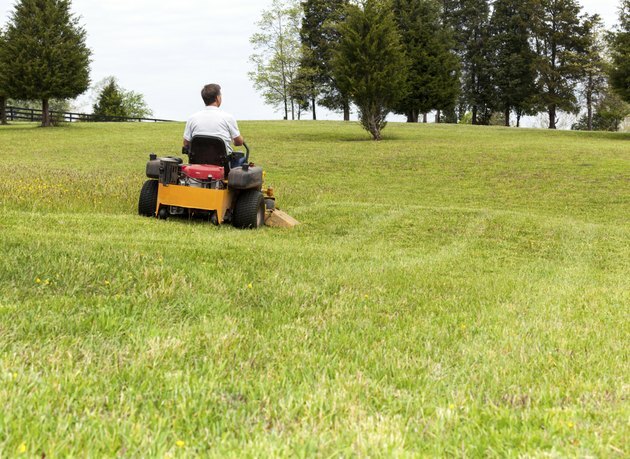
451,291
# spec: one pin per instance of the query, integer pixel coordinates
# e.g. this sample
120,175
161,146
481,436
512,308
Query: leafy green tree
110,103
620,73
513,69
278,54
612,110
45,46
301,92
432,78
135,105
369,64
609,113
559,38
319,35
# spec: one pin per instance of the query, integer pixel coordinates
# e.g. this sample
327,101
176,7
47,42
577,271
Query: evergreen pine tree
513,69
3,93
319,35
369,64
110,103
593,67
620,73
46,48
559,39
470,22
432,77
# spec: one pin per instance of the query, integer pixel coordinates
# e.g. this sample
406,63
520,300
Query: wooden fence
31,114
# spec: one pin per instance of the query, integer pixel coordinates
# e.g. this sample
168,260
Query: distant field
452,291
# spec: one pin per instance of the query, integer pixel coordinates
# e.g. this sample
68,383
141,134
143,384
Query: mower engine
202,176
171,171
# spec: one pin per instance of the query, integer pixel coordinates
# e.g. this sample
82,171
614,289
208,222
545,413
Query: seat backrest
205,149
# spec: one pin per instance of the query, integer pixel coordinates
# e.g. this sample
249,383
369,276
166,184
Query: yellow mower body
219,201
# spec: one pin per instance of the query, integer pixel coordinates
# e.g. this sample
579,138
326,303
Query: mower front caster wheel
249,211
163,213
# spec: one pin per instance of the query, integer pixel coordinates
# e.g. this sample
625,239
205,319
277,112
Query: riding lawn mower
216,184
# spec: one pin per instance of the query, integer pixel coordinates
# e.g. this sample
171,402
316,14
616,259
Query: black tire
249,211
148,198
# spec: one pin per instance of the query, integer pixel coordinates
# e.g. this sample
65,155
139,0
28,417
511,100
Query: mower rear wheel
249,211
148,198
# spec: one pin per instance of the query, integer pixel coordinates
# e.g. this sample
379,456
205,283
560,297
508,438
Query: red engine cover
204,171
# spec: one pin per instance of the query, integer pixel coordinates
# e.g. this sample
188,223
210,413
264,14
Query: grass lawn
452,291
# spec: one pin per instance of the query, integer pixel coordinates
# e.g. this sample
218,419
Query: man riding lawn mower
218,183
222,186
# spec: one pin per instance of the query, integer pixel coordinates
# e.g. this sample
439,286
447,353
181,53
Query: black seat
205,149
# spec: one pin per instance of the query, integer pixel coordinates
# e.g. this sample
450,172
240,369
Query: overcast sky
168,50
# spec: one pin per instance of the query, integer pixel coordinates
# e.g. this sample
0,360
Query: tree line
44,56
477,61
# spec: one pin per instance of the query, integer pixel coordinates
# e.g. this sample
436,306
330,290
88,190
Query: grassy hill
452,290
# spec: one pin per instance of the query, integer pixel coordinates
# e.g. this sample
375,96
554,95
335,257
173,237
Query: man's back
212,121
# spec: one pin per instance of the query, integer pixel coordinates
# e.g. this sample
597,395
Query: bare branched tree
278,54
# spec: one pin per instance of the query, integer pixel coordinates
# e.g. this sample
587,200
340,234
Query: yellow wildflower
180,443
250,286
22,448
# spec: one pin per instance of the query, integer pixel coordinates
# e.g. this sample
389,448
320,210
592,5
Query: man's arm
232,126
188,133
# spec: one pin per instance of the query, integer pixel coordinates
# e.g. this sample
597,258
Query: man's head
211,94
